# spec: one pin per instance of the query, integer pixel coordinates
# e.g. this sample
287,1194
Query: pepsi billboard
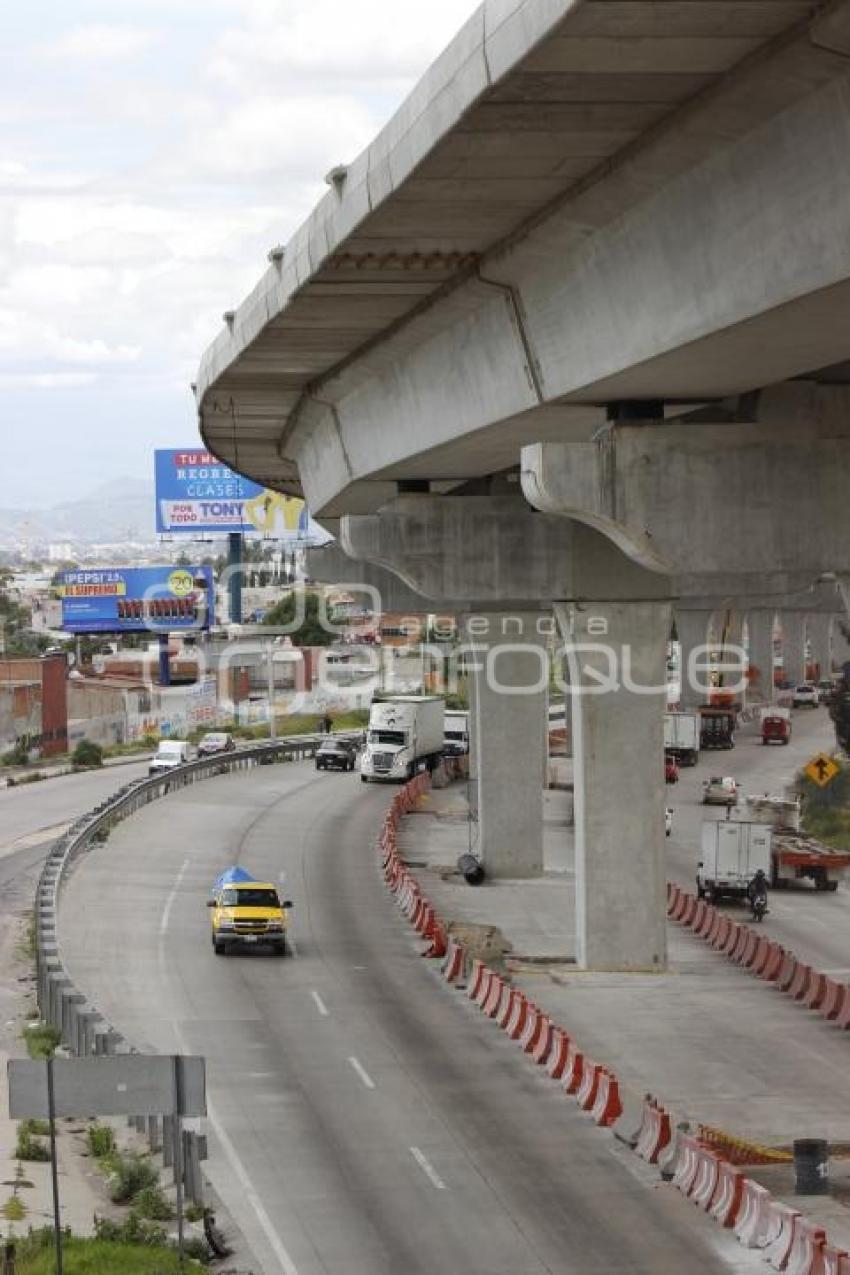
197,494
136,599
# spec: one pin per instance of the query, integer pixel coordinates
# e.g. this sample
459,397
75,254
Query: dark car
216,741
336,754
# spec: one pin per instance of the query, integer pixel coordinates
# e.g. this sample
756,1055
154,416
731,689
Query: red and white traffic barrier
706,1179
730,1190
479,971
833,995
519,1015
686,1164
807,1245
816,990
607,1108
540,1052
587,1090
655,1132
779,1235
506,1009
800,982
558,1053
787,971
453,964
751,1226
573,1069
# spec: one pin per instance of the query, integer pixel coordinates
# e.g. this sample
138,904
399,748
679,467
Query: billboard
197,494
136,599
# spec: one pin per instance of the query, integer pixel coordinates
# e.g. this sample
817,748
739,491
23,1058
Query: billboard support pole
234,562
164,666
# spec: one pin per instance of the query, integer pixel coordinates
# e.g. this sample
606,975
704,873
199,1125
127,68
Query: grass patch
128,1175
29,1146
100,1256
101,1140
151,1203
41,1040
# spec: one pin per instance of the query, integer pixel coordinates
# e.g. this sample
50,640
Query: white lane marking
320,1004
362,1072
286,1263
282,878
169,902
428,1169
290,942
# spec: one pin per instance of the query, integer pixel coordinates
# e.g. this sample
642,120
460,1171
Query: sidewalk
710,1042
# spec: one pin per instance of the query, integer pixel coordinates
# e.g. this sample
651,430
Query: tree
311,632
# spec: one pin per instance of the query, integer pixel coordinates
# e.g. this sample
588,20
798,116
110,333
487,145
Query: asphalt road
34,813
815,925
366,1120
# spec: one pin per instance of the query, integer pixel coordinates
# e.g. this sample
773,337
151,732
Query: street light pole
270,674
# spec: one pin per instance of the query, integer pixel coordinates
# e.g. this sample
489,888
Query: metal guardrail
83,1029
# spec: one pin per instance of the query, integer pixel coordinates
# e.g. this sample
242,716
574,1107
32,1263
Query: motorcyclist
757,888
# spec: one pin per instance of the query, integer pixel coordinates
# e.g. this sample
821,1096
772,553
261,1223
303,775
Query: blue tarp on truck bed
230,875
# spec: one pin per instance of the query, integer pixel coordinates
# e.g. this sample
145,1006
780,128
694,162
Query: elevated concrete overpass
593,272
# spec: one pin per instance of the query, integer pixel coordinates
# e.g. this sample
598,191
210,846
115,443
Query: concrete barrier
779,1235
751,1226
558,1053
730,1190
762,956
799,984
607,1108
706,1178
587,1090
452,968
540,1052
731,940
773,964
833,995
807,1246
787,970
655,1132
816,990
721,933
573,1069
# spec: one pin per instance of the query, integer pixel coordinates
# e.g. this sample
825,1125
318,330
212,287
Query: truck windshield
387,737
250,899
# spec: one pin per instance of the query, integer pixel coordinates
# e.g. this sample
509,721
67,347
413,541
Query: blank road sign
114,1085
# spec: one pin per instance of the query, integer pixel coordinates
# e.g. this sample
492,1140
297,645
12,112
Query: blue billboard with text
198,495
136,599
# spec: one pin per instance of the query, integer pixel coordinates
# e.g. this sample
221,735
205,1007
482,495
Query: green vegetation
311,631
29,1145
18,754
41,1040
14,1210
103,1255
826,811
101,1140
87,755
151,1203
128,1175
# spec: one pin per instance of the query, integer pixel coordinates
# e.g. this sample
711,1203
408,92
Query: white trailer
405,735
681,737
732,852
456,732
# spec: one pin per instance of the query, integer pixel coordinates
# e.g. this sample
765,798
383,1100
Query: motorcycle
758,906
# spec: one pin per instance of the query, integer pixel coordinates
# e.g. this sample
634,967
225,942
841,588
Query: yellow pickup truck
248,914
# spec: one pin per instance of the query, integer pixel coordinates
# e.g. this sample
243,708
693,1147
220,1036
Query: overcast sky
151,151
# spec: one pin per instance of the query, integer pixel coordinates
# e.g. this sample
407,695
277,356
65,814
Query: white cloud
46,380
100,42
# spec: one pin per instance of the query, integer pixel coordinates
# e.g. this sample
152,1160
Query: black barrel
471,869
811,1166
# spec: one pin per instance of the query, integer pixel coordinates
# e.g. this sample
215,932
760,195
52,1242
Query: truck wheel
219,948
280,948
830,885
364,779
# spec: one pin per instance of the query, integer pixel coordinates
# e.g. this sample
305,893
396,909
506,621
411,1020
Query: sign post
54,1167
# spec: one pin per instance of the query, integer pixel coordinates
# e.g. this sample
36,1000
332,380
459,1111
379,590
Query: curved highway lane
365,1120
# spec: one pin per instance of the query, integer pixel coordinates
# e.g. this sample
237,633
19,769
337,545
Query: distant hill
122,509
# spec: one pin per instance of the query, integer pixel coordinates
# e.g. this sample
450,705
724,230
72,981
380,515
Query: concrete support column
793,651
619,783
472,698
819,633
511,678
692,629
840,641
760,641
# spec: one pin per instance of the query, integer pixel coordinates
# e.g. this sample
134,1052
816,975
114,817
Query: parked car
825,688
806,695
671,769
336,754
216,741
720,791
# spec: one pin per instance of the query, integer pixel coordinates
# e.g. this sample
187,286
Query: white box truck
405,735
681,737
456,733
732,852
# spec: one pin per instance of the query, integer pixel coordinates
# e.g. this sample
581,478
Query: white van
169,753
